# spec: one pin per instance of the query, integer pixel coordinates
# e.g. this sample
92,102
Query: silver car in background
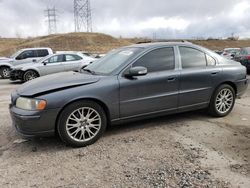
23,56
49,65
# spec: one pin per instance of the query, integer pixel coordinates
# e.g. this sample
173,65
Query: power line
82,15
51,15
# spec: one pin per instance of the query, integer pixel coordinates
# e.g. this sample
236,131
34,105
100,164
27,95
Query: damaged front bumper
16,75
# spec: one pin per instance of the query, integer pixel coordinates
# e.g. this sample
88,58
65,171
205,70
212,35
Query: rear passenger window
157,60
72,58
42,53
210,60
191,58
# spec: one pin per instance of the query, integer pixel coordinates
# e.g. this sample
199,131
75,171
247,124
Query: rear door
155,92
52,65
72,62
197,73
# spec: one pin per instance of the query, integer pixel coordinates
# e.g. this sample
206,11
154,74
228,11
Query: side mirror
136,71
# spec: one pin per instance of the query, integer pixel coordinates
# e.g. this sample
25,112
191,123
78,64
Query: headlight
30,104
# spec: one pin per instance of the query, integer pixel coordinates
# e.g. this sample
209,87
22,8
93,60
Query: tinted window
26,54
157,60
191,58
42,53
72,57
210,61
55,59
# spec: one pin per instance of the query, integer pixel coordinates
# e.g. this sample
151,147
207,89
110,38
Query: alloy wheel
224,100
6,72
83,124
30,75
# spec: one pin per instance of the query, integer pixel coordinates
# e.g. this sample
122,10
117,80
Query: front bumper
33,123
16,75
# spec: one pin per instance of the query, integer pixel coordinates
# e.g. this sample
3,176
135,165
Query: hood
56,82
5,60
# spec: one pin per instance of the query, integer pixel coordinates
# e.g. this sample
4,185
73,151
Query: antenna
82,15
51,15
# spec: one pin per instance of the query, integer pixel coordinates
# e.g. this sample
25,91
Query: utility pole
82,16
51,16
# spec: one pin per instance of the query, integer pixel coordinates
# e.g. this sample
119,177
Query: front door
155,92
52,65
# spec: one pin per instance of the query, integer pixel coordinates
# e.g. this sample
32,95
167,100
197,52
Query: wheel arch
2,66
232,84
101,103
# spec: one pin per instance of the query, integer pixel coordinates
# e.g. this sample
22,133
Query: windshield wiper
90,71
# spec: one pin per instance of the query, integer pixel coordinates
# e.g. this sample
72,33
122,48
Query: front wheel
222,101
5,72
81,123
30,75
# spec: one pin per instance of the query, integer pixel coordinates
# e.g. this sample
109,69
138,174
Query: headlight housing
30,104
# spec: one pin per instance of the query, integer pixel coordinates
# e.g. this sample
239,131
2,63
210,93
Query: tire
5,72
78,131
30,75
222,101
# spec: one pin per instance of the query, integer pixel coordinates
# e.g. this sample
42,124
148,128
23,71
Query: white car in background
22,56
60,62
229,53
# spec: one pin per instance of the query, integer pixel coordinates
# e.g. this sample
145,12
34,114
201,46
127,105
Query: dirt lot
184,150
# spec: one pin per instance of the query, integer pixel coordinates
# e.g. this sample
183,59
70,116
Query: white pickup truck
22,56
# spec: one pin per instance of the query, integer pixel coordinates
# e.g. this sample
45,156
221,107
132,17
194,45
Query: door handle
171,79
214,73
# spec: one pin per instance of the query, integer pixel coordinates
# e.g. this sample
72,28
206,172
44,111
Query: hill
95,43
91,42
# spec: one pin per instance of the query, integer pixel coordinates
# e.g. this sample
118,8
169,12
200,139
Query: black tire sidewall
212,107
61,126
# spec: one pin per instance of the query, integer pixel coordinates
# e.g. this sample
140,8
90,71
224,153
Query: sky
162,19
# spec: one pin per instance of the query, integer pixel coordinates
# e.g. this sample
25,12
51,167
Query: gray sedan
49,65
131,83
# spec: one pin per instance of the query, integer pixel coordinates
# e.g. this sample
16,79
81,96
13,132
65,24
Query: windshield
16,54
113,60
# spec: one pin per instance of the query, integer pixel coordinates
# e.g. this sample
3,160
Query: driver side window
26,54
158,60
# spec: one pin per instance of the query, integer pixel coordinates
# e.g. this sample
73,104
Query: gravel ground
183,150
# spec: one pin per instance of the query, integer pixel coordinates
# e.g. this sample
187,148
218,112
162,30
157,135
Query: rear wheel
5,72
222,101
82,123
30,75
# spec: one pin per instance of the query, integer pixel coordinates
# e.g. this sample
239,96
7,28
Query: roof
39,48
158,44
